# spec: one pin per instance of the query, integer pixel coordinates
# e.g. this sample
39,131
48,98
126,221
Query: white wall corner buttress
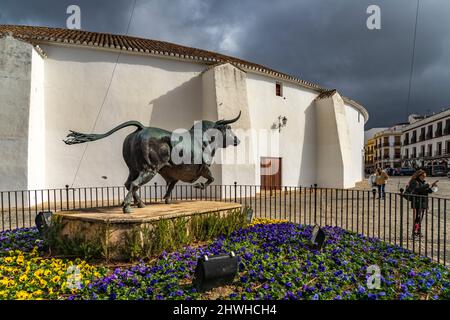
36,127
333,143
15,79
229,89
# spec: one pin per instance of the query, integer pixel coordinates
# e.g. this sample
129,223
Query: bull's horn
224,122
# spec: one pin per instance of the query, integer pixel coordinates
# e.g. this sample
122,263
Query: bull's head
229,138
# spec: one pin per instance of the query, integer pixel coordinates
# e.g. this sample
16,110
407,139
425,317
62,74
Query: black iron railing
390,219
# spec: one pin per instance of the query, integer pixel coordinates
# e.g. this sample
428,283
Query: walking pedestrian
381,179
373,183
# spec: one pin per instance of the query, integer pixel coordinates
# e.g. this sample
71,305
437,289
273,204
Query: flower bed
27,274
275,262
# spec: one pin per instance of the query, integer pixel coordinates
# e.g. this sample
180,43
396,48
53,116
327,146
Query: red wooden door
270,169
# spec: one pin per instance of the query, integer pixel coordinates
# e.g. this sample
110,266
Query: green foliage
79,244
172,234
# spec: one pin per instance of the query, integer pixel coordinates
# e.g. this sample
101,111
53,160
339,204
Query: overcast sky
323,41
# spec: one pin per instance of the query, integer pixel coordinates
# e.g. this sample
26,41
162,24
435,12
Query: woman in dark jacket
419,190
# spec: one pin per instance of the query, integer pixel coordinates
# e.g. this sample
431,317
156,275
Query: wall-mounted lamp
282,121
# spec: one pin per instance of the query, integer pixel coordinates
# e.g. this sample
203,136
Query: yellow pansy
43,283
38,273
23,295
11,283
9,259
56,279
23,278
20,259
4,281
37,293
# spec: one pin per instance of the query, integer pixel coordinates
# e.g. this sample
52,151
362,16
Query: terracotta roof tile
326,94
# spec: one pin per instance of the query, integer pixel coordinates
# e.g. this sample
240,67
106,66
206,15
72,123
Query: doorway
270,172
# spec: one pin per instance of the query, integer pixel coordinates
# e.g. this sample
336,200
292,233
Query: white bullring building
56,80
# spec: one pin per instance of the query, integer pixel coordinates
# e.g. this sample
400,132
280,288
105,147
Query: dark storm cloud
323,41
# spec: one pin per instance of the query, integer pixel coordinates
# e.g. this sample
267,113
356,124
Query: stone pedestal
111,233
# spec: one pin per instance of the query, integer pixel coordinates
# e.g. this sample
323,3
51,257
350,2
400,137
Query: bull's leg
143,178
205,173
170,186
131,176
137,200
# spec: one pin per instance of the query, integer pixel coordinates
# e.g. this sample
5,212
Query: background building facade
388,148
369,155
426,141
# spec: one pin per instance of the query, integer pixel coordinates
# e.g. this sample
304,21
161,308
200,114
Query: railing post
67,196
315,203
401,220
156,192
235,191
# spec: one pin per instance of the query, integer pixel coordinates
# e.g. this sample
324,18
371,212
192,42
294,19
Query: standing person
381,179
373,183
419,200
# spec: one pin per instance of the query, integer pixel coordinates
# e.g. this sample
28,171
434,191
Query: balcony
386,144
413,140
386,157
429,135
438,153
405,142
397,143
438,133
413,156
397,156
422,137
447,129
446,152
421,154
428,155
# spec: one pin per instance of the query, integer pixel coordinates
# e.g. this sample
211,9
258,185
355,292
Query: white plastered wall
15,80
340,144
157,92
296,142
36,126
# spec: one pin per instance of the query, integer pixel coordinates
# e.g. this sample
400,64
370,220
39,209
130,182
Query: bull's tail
77,137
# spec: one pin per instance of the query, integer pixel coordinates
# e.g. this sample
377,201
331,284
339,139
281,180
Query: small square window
278,89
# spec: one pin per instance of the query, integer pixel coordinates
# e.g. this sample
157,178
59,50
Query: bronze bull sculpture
148,151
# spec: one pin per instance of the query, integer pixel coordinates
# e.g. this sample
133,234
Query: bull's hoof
140,204
127,209
167,200
199,185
